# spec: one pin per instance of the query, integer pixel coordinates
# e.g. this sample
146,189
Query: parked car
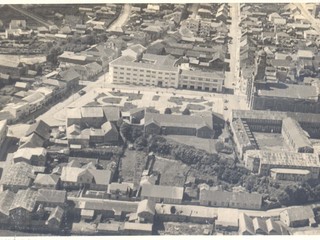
82,92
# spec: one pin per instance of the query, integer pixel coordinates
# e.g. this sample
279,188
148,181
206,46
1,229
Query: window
129,69
121,68
135,70
192,78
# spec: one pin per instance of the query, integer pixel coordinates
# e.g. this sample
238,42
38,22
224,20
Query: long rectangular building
261,162
151,70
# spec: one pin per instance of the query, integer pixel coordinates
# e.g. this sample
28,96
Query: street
314,22
122,19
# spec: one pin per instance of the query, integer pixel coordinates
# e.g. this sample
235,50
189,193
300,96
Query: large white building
162,71
151,70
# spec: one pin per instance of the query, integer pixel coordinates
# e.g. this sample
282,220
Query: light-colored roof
240,132
40,128
297,135
211,75
290,171
305,53
46,179
27,153
276,158
112,113
146,205
290,91
31,141
33,98
162,192
21,85
92,112
52,196
74,113
299,213
147,227
6,199
245,224
228,217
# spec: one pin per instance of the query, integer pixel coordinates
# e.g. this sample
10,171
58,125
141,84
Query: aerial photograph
159,119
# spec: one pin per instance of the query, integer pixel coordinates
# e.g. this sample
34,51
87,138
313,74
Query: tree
186,112
167,111
126,130
140,143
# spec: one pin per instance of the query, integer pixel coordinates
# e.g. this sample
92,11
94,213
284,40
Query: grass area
131,96
111,100
155,98
270,141
128,106
132,165
180,100
200,143
196,107
173,173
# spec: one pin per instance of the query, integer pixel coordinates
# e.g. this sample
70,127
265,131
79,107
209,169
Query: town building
3,131
225,222
151,70
295,136
197,125
162,194
212,198
51,198
262,161
285,174
32,156
298,216
46,181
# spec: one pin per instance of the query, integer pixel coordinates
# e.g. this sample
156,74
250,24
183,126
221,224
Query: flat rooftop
304,92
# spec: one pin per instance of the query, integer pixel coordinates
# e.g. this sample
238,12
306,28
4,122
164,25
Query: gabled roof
68,75
6,199
146,205
46,179
25,199
31,141
41,129
299,213
245,224
19,174
52,196
158,191
92,112
57,214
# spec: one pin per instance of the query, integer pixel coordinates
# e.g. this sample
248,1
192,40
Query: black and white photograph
130,119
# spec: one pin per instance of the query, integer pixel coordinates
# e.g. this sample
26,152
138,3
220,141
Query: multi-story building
198,80
162,194
154,70
295,175
261,162
294,135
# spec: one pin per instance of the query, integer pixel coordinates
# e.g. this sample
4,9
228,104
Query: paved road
30,15
122,19
304,12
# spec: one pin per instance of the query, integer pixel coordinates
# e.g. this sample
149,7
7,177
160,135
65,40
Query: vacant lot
172,172
132,165
270,141
200,143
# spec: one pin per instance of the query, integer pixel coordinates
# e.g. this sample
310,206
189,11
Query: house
31,141
310,35
32,156
112,113
281,37
55,218
18,176
23,206
166,124
230,199
92,117
18,24
162,194
88,176
22,85
110,133
41,129
135,51
6,199
12,68
133,228
146,211
52,198
3,131
47,181
305,54
35,99
297,216
260,226
70,77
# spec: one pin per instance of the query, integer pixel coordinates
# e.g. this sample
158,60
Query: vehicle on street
82,92
225,108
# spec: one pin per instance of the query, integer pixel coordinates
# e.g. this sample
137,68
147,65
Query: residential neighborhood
159,119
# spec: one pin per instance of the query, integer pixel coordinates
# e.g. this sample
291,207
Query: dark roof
25,199
174,51
52,196
69,75
32,141
117,206
222,196
6,199
168,120
41,129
